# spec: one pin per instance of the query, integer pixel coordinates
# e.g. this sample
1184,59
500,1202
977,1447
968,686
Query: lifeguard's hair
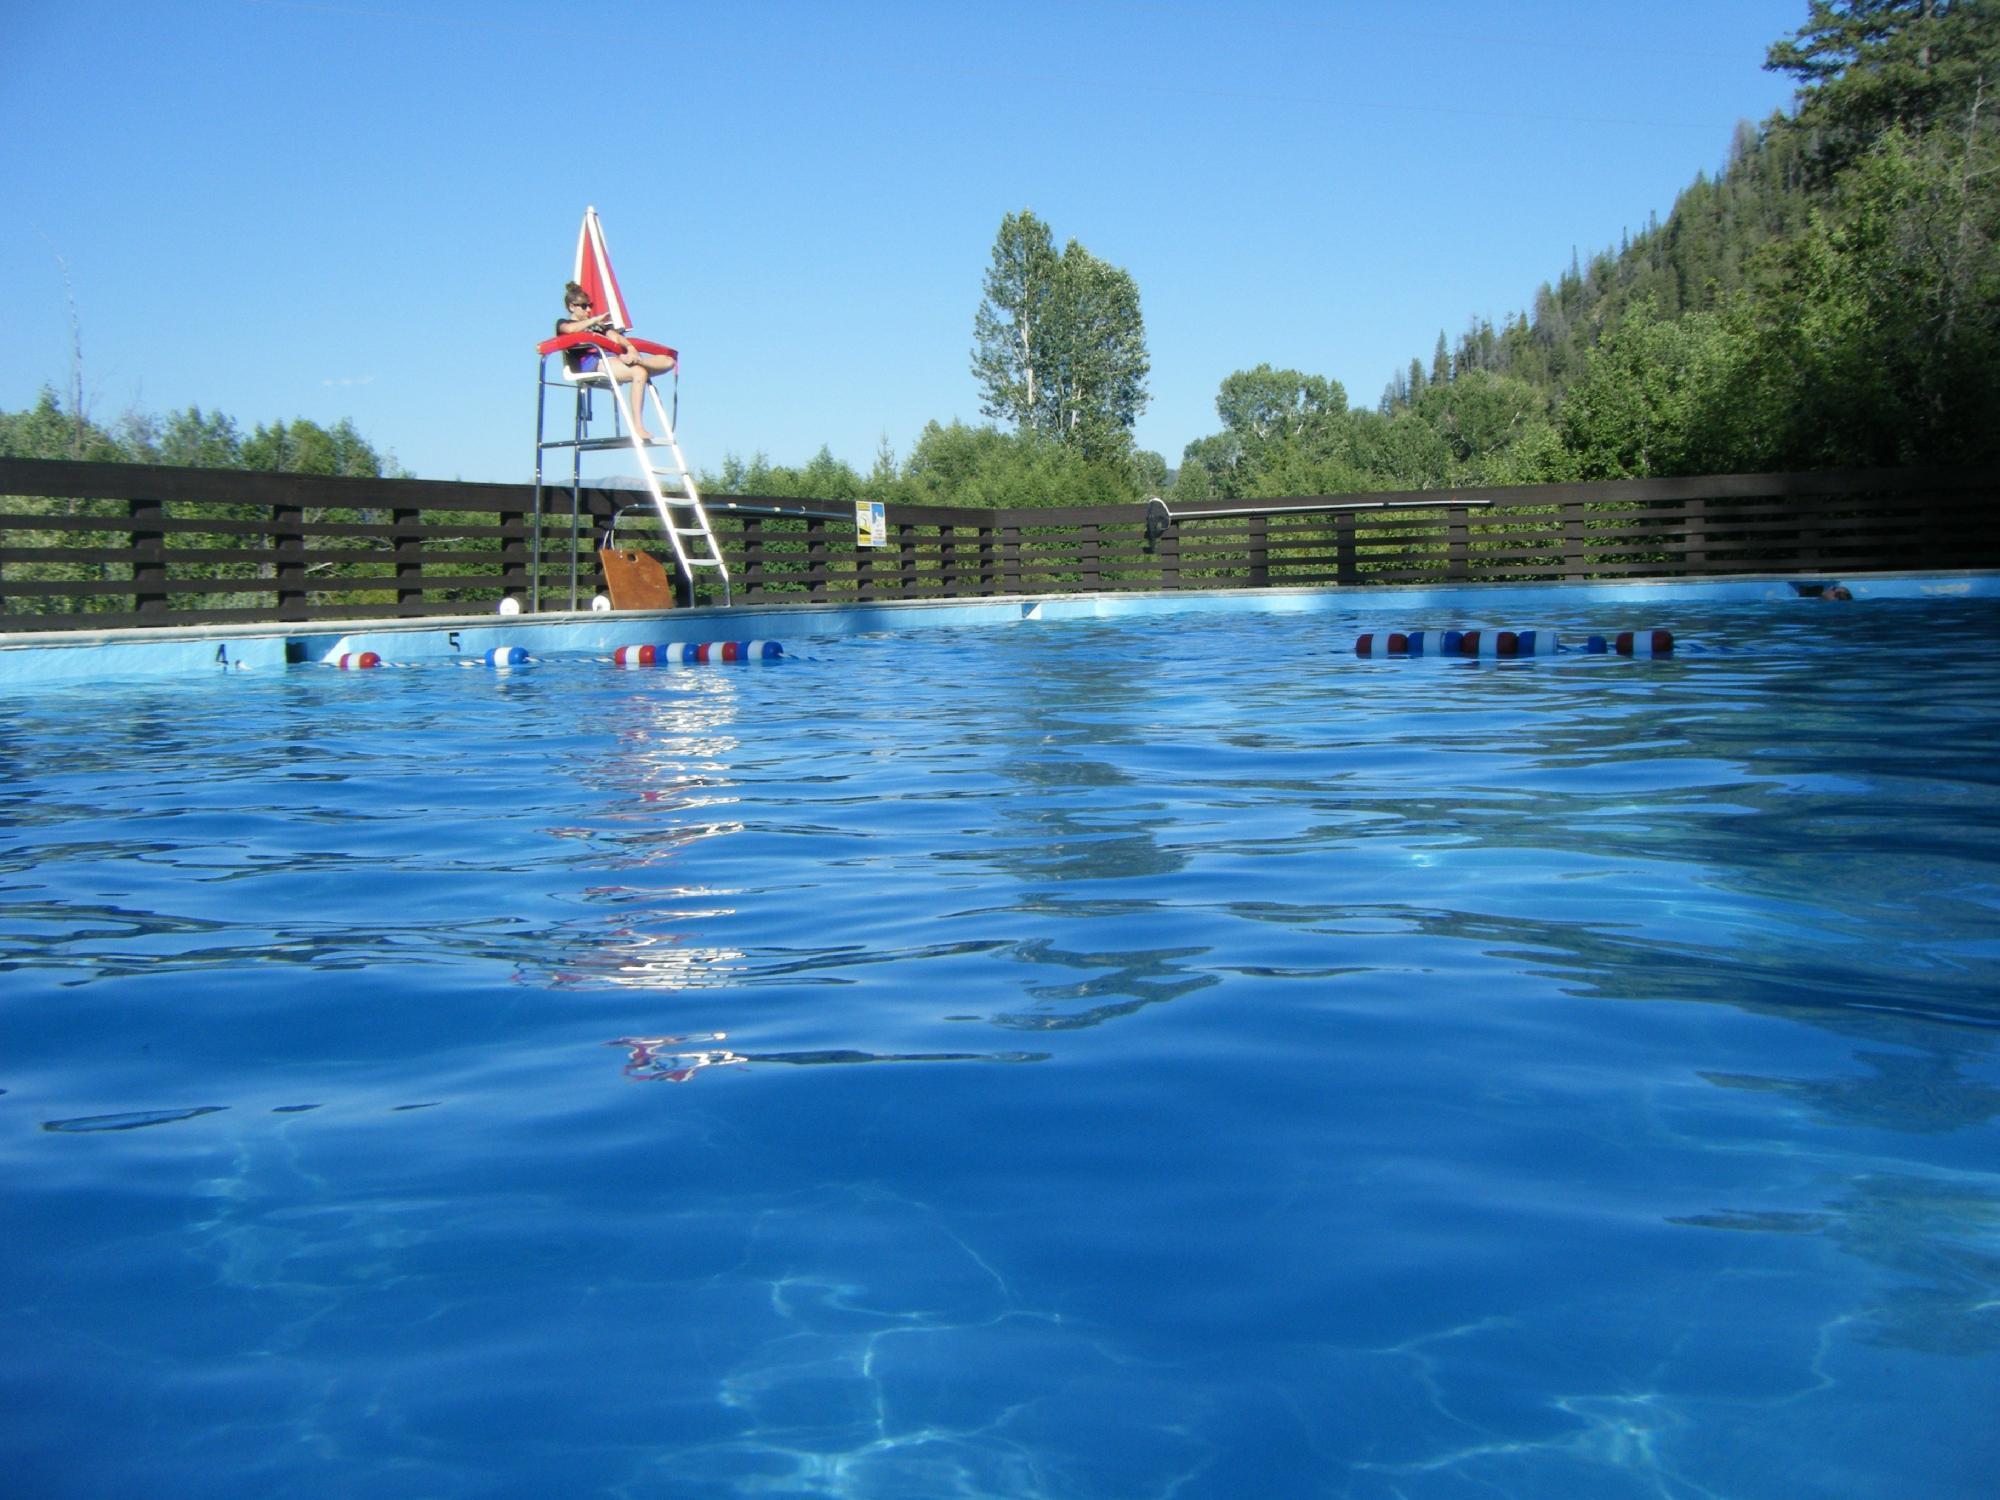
572,291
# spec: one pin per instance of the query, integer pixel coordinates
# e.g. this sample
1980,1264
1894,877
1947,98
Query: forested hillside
1832,297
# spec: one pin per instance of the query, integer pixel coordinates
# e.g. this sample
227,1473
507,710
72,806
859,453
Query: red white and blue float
1632,643
1505,645
691,653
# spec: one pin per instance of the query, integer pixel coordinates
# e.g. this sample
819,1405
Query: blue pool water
1099,1059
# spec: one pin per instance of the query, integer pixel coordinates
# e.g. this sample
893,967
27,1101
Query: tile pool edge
68,657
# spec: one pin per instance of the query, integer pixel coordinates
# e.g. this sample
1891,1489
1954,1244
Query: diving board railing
88,545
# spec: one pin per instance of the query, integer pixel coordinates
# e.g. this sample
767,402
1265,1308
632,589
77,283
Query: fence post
1694,537
1010,559
408,550
948,564
864,570
1346,563
149,556
1812,531
906,559
1458,548
515,557
816,579
1168,550
1260,551
1089,560
752,535
288,548
1573,560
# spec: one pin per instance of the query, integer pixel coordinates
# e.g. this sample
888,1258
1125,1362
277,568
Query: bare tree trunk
75,355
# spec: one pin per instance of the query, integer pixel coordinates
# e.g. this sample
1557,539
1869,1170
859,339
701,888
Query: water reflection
673,767
665,787
1935,1236
130,1120
676,1059
1923,1093
1071,817
1138,978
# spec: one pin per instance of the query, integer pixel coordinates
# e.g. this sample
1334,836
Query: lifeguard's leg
634,374
655,364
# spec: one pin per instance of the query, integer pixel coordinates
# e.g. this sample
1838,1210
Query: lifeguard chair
582,371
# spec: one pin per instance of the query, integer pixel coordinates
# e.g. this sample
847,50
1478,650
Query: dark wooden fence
114,545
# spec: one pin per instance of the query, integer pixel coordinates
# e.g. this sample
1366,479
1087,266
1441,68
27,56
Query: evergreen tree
1866,66
45,430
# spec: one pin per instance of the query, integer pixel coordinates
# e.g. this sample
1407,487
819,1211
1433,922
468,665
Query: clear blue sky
366,208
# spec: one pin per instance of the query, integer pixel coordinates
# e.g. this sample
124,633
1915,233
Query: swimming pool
1082,1059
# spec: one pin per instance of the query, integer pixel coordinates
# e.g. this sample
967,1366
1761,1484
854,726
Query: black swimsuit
583,357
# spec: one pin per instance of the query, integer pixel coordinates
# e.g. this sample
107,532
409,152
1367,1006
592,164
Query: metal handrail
1159,515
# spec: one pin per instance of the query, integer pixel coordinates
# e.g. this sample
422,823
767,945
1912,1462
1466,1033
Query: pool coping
72,656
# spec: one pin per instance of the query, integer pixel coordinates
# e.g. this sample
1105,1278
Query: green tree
1882,322
1097,377
45,430
1865,66
1658,397
201,441
983,466
1399,451
1150,470
1279,427
1009,358
1265,405
823,478
303,446
1060,341
1481,418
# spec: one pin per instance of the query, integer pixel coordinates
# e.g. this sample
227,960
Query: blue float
507,656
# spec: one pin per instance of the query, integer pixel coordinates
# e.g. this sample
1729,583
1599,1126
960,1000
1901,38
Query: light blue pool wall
69,657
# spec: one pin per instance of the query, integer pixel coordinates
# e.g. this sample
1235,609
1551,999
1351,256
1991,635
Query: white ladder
682,516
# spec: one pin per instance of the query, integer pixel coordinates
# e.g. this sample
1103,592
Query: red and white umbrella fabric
594,274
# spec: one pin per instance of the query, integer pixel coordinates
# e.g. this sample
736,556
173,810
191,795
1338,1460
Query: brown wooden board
635,579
